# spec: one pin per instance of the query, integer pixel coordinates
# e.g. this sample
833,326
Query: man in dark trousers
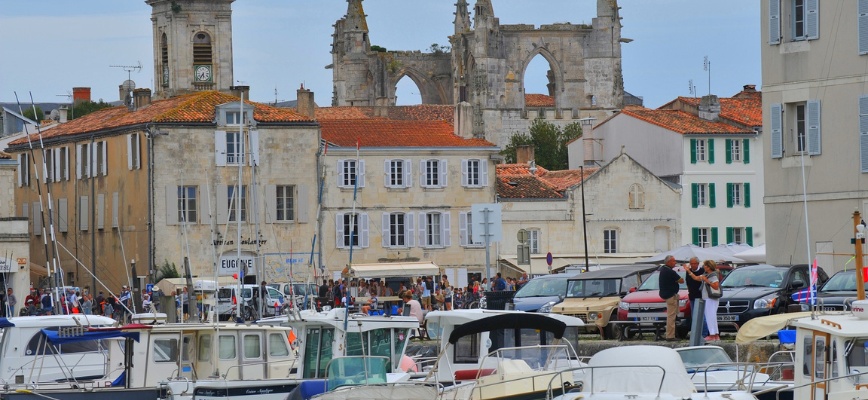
669,281
694,289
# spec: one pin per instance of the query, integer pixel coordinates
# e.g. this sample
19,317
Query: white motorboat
712,370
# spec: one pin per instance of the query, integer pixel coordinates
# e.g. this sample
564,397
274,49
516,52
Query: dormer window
229,115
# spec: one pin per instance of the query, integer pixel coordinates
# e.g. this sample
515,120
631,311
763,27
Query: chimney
462,120
62,113
80,94
709,107
142,97
304,103
238,91
524,154
381,107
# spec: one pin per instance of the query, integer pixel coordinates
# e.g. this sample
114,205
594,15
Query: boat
712,370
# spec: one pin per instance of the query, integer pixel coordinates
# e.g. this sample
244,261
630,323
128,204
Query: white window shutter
387,173
220,148
360,172
777,139
21,168
104,158
774,21
100,211
341,174
422,228
116,206
409,232
446,229
483,168
172,205
863,131
408,173
37,219
57,177
83,212
270,204
815,139
444,173
862,11
386,230
78,161
222,205
130,152
62,215
65,166
364,240
423,173
91,165
462,229
463,172
339,230
301,204
812,19
253,136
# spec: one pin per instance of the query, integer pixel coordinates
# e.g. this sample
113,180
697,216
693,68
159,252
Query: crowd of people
41,302
704,283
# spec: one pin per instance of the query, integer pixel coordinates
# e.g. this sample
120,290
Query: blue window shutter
694,193
777,139
729,234
863,132
729,150
711,151
747,195
711,202
728,197
749,233
696,236
745,151
814,135
862,11
774,21
812,19
714,236
693,151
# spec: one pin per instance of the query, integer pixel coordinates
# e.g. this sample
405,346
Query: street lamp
858,241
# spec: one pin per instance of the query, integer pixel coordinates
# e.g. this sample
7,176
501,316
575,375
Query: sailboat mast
237,194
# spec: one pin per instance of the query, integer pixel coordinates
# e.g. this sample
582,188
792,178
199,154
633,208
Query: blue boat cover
4,323
54,338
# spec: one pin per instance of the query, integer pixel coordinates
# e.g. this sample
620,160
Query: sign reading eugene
230,263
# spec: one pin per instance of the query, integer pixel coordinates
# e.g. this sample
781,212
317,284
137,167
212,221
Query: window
636,197
702,195
285,202
233,202
397,230
204,348
862,12
233,117
474,173
82,161
799,19
465,230
610,241
351,172
702,150
398,174
800,141
166,350
61,164
252,346
23,169
187,204
49,165
100,152
435,229
277,345
352,230
434,173
234,148
133,152
740,235
705,237
738,194
734,152
226,349
534,240
805,19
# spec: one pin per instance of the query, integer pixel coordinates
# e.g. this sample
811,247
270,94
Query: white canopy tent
389,270
756,254
688,251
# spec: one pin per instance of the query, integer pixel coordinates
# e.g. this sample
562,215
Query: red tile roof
681,121
514,181
422,112
746,110
381,132
538,100
195,107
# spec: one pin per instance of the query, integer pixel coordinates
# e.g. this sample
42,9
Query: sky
51,46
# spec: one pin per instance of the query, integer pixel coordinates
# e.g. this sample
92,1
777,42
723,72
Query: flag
291,336
814,279
805,294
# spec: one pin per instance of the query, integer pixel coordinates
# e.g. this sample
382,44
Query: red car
647,308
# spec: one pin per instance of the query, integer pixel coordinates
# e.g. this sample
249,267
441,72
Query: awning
760,327
389,270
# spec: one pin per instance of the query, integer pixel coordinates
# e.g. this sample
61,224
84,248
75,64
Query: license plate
727,318
648,318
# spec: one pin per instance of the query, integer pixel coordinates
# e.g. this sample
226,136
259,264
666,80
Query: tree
438,49
86,107
28,113
549,143
167,270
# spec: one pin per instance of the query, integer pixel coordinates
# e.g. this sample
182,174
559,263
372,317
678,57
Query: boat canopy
509,321
760,327
391,270
55,337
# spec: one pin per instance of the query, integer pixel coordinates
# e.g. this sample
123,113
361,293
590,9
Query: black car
837,293
759,290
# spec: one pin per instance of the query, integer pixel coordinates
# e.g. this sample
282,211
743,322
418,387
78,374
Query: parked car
594,296
758,290
299,290
835,295
540,294
648,310
227,297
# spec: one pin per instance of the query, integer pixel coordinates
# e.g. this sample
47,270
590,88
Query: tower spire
462,17
483,11
356,20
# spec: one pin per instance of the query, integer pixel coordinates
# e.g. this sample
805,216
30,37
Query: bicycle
248,313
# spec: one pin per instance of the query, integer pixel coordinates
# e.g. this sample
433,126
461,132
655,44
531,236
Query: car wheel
613,331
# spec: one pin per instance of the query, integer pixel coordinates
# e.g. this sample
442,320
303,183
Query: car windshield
593,287
844,281
543,288
747,277
653,283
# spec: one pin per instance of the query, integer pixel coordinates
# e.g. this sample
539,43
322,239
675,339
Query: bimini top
510,321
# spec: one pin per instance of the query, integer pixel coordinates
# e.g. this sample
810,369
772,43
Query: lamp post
584,218
858,241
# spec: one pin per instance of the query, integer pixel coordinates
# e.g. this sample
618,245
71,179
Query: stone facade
486,67
14,238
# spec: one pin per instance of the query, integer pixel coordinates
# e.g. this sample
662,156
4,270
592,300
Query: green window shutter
729,234
747,195
696,236
729,150
749,233
729,195
714,236
711,202
694,193
745,151
693,151
711,151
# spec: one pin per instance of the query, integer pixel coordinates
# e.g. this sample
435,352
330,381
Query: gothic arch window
203,63
541,80
636,197
164,59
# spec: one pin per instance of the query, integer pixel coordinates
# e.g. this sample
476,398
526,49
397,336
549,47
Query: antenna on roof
691,88
68,96
706,66
128,99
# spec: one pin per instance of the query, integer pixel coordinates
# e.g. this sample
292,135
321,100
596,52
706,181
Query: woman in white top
711,279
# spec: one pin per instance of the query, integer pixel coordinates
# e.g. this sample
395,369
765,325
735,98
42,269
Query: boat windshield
543,288
593,287
700,357
356,370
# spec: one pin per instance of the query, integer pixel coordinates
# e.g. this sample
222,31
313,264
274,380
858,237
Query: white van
299,290
226,298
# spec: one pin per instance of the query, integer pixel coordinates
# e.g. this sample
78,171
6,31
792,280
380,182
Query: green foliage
28,113
378,49
86,107
438,49
167,270
549,142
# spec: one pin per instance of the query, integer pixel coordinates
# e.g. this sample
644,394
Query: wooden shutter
62,215
711,196
422,228
714,236
130,152
302,204
364,238
360,173
777,139
386,231
220,148
37,219
774,21
444,173
58,169
423,173
100,211
83,212
730,233
78,161
253,137
21,167
695,234
115,210
387,173
747,194
172,205
711,151
222,205
694,195
863,131
409,233
462,229
748,232
693,151
339,231
408,173
815,140
862,11
729,196
341,175
446,228
270,204
203,206
812,19
745,151
483,168
463,173
728,150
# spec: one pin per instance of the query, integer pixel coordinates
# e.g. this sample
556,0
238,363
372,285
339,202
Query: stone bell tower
192,45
